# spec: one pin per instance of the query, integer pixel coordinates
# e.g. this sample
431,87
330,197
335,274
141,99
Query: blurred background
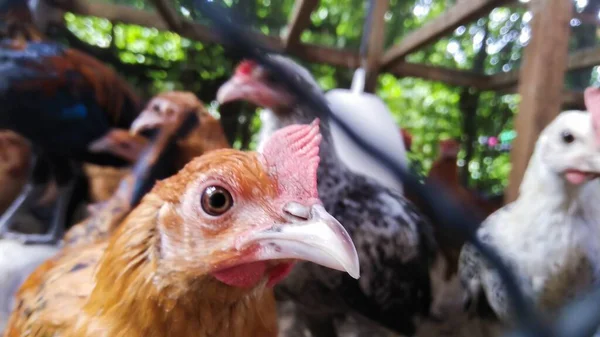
482,120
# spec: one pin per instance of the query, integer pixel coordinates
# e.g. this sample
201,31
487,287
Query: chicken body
550,235
444,171
198,256
394,241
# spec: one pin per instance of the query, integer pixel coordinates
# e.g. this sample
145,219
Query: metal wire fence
578,319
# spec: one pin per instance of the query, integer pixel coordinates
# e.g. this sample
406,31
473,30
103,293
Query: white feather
370,117
17,261
551,233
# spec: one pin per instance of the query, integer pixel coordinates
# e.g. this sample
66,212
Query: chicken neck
139,296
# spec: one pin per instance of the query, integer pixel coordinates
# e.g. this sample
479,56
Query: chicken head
164,108
255,84
244,218
569,145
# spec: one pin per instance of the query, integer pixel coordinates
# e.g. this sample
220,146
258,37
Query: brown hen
199,255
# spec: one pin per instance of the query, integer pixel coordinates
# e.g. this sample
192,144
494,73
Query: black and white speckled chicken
393,240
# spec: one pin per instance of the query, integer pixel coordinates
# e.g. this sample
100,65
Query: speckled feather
393,240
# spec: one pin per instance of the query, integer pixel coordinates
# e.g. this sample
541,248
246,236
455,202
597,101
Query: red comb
245,67
592,103
292,154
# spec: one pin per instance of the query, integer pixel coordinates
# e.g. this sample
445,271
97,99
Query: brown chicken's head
120,143
243,218
253,83
164,108
449,148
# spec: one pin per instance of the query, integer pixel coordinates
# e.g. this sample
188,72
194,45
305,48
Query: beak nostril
297,210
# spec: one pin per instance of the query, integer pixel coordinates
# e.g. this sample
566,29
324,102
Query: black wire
156,161
444,209
364,41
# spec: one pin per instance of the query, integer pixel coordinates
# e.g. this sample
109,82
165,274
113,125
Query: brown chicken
164,108
199,255
444,171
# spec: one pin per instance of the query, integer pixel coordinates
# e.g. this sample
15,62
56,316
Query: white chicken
549,236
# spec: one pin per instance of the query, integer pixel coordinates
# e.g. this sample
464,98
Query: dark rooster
68,104
394,241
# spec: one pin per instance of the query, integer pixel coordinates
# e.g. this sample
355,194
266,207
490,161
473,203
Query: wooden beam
541,82
460,14
573,100
203,33
459,78
307,52
169,15
375,46
583,58
299,21
579,59
501,81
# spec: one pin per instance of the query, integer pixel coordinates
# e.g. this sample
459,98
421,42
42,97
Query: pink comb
592,103
292,153
245,67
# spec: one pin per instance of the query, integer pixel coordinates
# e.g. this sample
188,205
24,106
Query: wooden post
299,21
376,41
541,82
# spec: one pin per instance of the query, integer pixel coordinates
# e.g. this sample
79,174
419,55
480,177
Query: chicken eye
216,200
567,137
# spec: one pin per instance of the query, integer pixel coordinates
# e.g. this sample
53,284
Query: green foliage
429,110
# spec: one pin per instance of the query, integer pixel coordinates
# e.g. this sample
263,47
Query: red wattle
242,276
279,272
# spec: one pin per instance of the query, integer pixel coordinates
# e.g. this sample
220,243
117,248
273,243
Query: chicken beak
146,120
233,90
252,90
317,238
